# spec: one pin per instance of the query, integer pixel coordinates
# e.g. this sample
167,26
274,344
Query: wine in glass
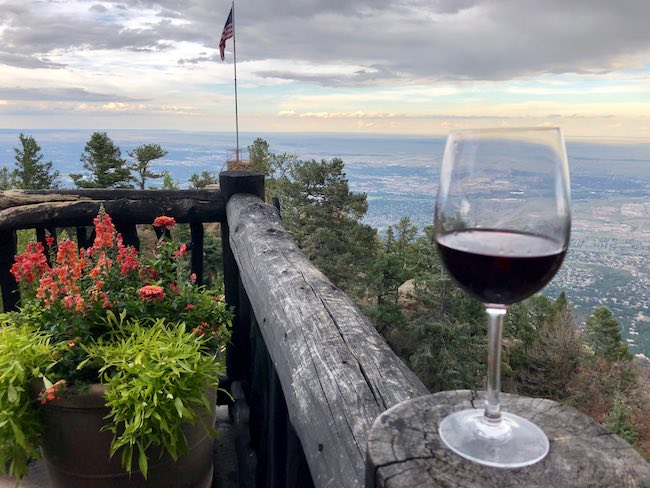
502,225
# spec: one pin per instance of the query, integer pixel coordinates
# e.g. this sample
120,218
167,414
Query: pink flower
151,293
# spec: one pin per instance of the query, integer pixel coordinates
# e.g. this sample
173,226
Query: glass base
512,443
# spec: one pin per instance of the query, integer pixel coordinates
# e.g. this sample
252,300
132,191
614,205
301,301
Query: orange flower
164,221
152,293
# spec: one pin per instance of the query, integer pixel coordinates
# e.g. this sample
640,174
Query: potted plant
111,364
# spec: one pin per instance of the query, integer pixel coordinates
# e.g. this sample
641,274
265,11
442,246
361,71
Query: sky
372,66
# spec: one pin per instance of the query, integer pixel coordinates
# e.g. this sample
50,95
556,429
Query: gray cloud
27,61
59,95
404,41
99,8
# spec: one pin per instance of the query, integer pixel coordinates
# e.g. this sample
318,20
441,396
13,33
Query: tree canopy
103,161
31,172
144,155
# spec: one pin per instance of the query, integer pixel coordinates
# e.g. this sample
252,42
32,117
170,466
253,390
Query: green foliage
543,348
30,172
324,217
260,158
5,179
25,354
168,182
157,377
212,259
104,163
204,179
395,263
446,355
604,335
143,155
619,421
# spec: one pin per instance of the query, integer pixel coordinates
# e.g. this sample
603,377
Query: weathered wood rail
319,398
336,372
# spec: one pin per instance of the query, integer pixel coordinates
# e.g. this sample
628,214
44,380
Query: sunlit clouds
420,67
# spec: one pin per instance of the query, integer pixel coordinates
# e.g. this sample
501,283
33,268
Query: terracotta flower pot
76,453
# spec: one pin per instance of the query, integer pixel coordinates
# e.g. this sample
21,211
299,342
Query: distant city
609,259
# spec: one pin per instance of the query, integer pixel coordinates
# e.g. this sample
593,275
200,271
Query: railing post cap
405,449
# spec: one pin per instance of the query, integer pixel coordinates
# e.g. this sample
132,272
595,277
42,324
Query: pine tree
168,181
30,172
143,155
102,159
604,335
5,179
324,217
204,179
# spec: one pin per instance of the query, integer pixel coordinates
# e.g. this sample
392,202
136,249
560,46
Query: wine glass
502,225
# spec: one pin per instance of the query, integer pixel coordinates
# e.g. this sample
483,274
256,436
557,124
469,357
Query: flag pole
234,51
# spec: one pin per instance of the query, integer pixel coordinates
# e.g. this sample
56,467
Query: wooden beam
22,209
336,371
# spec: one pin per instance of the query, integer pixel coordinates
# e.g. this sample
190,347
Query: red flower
49,240
31,264
164,221
151,293
182,251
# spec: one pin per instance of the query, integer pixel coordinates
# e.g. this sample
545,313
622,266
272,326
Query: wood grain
22,209
337,373
405,450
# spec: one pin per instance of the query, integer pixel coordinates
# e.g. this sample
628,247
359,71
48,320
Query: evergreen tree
260,157
5,179
543,357
143,155
604,335
204,179
168,182
102,159
324,217
619,421
31,173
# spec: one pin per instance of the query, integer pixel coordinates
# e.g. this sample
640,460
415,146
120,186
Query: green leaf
178,403
142,462
12,394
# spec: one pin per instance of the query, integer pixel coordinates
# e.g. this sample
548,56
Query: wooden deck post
9,286
231,183
405,450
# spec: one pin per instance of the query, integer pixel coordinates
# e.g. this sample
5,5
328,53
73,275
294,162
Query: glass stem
496,314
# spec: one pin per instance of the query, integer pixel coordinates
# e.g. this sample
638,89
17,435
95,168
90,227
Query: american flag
226,34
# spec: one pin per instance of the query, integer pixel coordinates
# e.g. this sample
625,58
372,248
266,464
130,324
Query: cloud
57,95
27,61
406,41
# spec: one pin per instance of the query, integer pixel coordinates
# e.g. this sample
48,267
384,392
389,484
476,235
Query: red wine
500,267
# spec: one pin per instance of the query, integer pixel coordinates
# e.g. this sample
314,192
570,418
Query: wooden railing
319,397
312,365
